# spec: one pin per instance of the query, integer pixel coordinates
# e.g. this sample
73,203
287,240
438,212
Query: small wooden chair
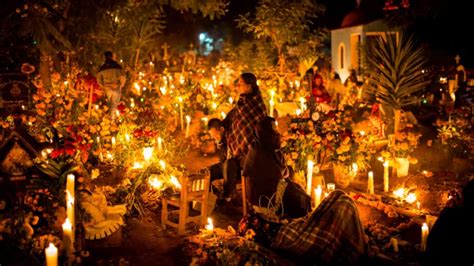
194,188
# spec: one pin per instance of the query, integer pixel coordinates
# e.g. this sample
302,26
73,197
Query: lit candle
370,183
331,187
51,253
68,237
209,225
231,100
309,177
127,137
188,121
298,112
113,141
147,153
385,176
424,236
223,115
71,179
70,211
317,196
302,103
271,107
272,94
180,99
160,144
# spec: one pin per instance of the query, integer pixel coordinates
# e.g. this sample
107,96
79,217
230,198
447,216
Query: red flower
56,153
70,148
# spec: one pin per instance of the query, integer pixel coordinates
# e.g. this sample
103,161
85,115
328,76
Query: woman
242,120
318,91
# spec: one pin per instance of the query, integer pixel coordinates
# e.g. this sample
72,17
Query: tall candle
71,179
180,99
271,107
302,103
68,237
51,253
424,236
188,121
70,211
385,176
309,177
160,144
370,183
317,196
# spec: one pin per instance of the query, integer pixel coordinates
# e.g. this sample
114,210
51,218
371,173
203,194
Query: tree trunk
44,70
137,56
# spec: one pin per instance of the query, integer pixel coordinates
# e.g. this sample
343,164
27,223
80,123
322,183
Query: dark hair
215,123
108,54
251,80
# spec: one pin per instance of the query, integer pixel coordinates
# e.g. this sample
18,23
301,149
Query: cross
457,58
165,47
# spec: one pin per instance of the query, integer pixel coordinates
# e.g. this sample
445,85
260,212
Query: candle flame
155,183
162,164
209,225
147,153
137,165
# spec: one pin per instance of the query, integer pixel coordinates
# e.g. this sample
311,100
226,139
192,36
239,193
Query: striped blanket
331,235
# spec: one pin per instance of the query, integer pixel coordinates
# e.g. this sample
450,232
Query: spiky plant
396,66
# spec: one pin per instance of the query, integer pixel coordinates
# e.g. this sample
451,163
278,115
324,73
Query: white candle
298,112
317,196
160,144
309,177
127,137
302,103
113,141
385,176
231,100
188,121
209,226
71,179
370,183
180,99
147,153
271,107
331,187
51,253
70,210
68,237
424,236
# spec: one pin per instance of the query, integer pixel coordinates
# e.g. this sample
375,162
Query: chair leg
183,212
164,214
244,196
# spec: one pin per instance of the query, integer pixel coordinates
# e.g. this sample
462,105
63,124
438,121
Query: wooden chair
194,188
244,196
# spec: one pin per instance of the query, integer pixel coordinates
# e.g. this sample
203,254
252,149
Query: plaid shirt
331,235
244,117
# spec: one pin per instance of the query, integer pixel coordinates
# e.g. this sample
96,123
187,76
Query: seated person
267,176
227,169
318,92
450,239
331,235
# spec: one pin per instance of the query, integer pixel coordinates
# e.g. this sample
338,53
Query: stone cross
457,58
165,47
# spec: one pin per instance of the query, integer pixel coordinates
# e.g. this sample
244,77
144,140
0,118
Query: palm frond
396,70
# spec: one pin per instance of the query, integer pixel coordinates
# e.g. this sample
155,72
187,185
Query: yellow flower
340,150
294,155
342,158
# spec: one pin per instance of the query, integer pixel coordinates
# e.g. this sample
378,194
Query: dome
354,18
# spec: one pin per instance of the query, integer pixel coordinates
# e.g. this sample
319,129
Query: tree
284,23
396,72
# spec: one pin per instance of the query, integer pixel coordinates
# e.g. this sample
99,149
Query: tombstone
15,92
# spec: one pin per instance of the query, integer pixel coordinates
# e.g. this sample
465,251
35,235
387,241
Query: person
448,241
216,129
268,179
331,235
242,119
318,91
112,79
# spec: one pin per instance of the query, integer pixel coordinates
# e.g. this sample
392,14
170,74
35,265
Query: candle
113,141
223,115
147,153
231,100
271,107
160,144
71,179
70,210
317,196
127,137
331,187
309,177
424,236
180,99
394,243
302,103
298,112
418,205
370,183
51,253
209,226
188,121
68,237
385,176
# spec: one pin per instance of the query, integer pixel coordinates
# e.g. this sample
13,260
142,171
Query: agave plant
396,72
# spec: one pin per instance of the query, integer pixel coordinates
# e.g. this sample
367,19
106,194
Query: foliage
284,23
396,71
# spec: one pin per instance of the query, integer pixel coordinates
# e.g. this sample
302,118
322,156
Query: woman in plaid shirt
242,122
